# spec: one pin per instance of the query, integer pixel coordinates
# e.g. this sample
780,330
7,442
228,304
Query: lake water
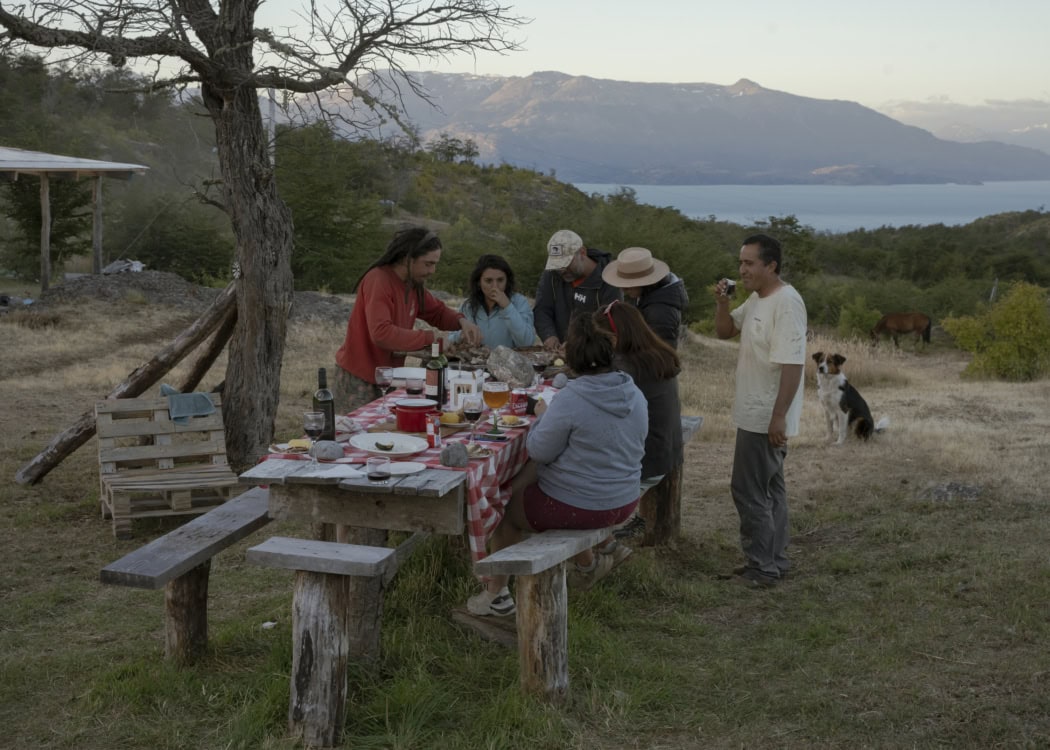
835,208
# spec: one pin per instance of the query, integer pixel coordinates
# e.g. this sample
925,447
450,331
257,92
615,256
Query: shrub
856,319
1010,339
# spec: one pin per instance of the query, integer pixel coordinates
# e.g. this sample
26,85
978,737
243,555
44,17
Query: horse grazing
915,323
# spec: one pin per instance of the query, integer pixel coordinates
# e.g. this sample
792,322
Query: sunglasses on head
608,314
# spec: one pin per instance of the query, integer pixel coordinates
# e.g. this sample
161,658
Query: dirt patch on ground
161,288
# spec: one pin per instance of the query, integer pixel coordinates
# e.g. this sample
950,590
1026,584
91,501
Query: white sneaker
486,603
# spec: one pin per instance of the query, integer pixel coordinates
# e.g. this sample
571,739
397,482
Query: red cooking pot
412,413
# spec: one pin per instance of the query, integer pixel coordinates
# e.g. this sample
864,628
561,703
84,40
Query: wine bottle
435,367
325,402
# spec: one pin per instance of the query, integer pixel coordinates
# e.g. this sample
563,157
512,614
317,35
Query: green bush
856,319
1009,339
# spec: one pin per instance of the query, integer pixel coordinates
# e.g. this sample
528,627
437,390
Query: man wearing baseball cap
572,282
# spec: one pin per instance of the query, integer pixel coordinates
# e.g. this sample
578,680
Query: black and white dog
844,409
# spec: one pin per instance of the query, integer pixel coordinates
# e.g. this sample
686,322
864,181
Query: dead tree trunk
262,224
135,384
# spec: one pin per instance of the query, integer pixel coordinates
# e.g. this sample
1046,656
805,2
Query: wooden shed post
45,232
96,225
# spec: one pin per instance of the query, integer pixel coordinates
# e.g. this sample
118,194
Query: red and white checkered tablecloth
488,479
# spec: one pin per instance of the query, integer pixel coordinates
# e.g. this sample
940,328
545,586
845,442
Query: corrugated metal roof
16,160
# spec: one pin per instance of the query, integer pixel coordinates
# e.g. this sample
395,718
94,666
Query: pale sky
964,51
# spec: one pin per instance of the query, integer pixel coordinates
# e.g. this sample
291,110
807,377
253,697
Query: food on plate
299,444
510,419
474,450
451,417
559,362
384,446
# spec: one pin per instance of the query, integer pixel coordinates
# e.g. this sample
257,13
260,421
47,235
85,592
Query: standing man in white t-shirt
767,406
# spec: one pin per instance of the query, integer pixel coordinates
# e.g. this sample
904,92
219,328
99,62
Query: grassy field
918,616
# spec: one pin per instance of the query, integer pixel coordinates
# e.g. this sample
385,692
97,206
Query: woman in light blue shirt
503,315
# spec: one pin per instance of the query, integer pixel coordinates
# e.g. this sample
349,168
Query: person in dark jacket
572,282
654,367
655,291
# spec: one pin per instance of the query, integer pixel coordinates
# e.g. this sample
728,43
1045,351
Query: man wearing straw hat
659,295
570,283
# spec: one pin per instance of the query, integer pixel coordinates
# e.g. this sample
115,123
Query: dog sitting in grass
845,410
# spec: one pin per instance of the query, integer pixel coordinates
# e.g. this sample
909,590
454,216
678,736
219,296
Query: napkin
182,406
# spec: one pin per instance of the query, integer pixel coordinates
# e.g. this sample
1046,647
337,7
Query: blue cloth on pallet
183,406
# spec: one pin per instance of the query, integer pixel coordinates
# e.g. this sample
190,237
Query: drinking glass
414,386
538,368
496,395
313,425
384,376
378,469
472,408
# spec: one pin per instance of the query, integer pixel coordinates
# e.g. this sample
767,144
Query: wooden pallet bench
152,465
180,562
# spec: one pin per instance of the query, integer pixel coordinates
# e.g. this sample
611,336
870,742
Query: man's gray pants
761,502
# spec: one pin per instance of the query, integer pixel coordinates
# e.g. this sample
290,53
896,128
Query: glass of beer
496,395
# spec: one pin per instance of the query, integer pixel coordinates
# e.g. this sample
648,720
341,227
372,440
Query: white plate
403,373
404,445
522,422
399,468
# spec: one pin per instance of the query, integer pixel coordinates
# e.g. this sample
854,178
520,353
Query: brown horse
915,323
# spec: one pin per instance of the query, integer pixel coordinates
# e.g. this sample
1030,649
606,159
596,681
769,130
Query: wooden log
365,597
661,507
186,615
543,634
211,352
135,384
320,652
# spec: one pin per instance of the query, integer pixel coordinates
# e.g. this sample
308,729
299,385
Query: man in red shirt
390,296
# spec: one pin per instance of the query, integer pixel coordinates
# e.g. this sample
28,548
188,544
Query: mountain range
590,130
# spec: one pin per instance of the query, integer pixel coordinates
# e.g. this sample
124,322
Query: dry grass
918,617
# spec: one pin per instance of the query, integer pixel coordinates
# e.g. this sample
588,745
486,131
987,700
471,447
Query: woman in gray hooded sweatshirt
585,460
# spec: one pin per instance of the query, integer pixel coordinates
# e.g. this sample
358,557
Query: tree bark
135,384
320,653
186,615
543,634
262,224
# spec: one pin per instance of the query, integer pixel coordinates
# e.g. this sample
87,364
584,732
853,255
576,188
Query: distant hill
594,130
1024,122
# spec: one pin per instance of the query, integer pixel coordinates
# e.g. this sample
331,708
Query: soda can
434,430
519,402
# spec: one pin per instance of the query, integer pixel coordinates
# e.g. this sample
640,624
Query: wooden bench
322,623
150,465
542,619
661,506
180,561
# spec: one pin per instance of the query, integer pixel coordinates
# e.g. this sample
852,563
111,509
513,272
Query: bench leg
661,507
320,651
543,633
366,598
186,615
120,507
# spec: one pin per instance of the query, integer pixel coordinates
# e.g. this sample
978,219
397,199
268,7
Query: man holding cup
767,408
